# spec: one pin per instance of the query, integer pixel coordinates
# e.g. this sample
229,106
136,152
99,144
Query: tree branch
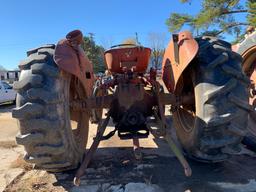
224,12
230,26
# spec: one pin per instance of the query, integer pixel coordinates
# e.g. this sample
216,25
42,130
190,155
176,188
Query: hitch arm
88,156
163,126
177,152
179,155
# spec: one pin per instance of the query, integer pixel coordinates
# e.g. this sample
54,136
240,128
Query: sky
26,24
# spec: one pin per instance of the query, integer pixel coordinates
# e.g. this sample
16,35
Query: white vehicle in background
7,93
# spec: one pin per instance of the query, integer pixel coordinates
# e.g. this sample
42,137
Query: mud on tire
220,111
43,113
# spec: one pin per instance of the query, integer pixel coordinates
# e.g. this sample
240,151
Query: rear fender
249,60
247,49
71,58
172,68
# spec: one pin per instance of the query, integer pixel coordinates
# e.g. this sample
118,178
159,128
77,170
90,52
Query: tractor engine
132,102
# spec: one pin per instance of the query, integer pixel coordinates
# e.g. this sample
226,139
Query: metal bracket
109,135
175,38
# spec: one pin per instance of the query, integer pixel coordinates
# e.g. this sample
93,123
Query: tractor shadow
117,166
121,168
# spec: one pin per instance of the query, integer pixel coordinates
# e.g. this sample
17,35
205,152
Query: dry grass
36,184
32,180
35,181
28,185
21,163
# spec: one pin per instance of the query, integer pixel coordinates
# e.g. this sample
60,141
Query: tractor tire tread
231,136
222,119
44,133
35,50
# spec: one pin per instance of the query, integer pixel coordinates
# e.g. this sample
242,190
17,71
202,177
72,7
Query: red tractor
207,91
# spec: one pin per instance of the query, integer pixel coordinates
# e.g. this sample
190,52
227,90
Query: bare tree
2,68
107,42
157,42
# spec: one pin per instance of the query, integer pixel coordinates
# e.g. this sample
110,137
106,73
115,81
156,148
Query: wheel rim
187,119
186,113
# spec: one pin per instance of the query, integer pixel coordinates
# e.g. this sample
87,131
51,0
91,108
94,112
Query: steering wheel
125,44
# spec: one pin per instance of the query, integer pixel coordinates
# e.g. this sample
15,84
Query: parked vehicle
7,94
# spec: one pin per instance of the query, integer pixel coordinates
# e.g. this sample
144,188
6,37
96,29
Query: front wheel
212,128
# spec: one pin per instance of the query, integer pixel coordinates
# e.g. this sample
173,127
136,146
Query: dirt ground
114,168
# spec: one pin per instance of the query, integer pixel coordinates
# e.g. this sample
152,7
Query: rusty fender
71,58
180,52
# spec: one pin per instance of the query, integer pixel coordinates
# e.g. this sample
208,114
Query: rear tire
212,128
44,114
